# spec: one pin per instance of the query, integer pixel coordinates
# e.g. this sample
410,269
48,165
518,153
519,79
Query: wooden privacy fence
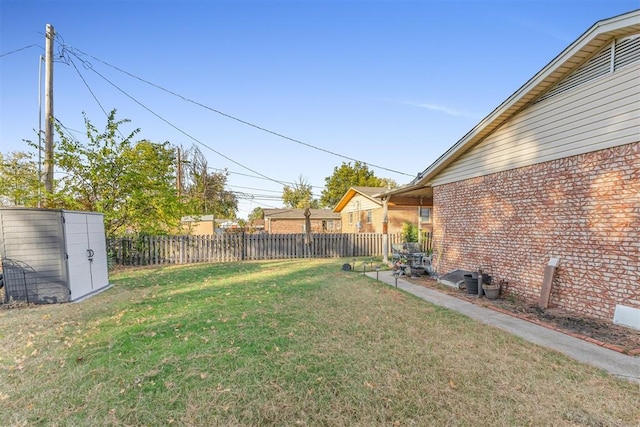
153,250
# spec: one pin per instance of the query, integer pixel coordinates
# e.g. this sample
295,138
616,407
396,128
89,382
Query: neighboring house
287,221
255,226
362,212
203,225
553,171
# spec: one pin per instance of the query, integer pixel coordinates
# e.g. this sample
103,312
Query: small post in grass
377,271
354,265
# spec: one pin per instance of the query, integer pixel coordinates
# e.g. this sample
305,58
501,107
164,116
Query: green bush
409,232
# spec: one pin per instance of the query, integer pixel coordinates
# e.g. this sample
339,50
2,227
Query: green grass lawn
295,342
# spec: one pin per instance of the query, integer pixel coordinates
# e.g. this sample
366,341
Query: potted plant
491,290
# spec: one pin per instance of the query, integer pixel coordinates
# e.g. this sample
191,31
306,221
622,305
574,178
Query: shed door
97,243
87,254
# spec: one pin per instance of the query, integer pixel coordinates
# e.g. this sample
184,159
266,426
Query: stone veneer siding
583,209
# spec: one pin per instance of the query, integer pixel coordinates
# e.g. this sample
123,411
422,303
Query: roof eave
574,55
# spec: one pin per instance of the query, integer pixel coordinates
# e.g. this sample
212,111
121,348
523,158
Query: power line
18,50
73,138
88,66
258,177
90,91
184,98
251,188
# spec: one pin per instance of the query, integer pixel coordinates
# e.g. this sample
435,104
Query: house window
327,225
350,217
369,217
425,215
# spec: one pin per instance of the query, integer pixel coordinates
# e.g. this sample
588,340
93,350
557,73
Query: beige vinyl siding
600,114
360,203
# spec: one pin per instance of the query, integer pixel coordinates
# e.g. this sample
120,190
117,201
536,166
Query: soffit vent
627,51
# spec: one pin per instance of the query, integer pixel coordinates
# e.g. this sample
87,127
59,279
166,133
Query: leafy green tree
299,195
346,176
205,191
256,213
132,184
18,179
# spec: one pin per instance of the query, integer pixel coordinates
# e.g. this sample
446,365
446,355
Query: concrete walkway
618,364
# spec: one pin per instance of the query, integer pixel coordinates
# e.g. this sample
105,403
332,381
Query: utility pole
179,175
40,61
48,112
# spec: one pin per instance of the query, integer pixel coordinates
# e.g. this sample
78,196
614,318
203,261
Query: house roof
589,43
198,218
368,192
288,213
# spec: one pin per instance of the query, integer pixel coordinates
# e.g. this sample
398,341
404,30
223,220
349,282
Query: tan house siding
293,226
600,114
198,228
583,209
396,215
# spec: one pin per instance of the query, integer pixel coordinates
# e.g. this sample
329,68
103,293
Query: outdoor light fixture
377,271
364,267
354,265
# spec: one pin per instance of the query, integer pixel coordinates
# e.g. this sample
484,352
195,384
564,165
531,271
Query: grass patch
295,342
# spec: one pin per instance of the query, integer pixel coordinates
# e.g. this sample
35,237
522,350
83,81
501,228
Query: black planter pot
471,284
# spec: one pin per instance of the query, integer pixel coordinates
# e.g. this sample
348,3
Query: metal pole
40,60
48,110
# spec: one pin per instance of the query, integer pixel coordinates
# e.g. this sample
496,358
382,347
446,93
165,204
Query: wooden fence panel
156,250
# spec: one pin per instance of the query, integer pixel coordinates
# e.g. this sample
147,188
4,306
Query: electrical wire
91,92
18,50
68,131
258,177
263,129
89,67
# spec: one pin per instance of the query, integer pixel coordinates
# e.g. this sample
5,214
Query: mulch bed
598,331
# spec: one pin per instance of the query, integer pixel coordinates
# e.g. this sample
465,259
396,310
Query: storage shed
52,256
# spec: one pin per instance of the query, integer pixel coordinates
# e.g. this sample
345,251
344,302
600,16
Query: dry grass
284,343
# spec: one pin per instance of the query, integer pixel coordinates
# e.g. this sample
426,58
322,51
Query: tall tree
18,179
132,184
256,213
205,191
299,195
346,176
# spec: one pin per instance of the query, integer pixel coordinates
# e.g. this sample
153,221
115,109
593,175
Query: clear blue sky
390,83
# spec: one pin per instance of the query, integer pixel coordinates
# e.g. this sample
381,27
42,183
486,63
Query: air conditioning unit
358,225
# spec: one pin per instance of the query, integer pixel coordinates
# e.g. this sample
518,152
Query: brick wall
584,209
294,226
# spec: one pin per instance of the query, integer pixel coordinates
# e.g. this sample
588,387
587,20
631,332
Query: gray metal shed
52,255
